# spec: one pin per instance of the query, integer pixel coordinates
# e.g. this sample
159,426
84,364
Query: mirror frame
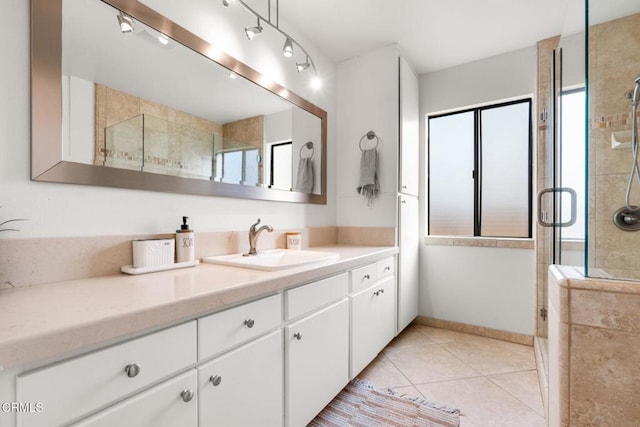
47,163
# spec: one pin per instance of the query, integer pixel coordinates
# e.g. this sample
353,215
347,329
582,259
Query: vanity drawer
306,298
221,331
386,267
75,387
363,277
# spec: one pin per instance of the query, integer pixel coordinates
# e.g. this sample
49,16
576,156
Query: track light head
126,23
252,32
162,38
287,50
300,66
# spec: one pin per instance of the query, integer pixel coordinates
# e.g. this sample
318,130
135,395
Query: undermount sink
275,259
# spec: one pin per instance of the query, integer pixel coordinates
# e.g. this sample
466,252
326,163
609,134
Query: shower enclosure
588,180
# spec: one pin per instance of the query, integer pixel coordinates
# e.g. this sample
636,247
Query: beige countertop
48,322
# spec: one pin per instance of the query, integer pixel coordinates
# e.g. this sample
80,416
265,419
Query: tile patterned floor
492,382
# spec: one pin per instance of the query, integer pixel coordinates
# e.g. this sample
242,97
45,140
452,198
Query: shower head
637,79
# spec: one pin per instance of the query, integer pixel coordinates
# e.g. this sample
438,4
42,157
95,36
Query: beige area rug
360,405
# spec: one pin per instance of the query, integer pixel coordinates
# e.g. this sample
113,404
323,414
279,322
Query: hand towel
304,180
368,184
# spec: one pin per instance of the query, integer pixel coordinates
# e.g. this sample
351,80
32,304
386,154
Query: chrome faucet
253,237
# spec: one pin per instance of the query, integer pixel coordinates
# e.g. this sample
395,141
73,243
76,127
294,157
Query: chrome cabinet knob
387,268
186,395
132,369
249,323
215,380
366,276
297,336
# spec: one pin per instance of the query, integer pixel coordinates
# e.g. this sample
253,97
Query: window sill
484,242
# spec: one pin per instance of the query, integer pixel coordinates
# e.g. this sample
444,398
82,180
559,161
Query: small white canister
294,240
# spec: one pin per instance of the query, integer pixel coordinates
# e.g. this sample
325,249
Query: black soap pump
185,248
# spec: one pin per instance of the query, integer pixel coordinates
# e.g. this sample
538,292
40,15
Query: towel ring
369,135
308,145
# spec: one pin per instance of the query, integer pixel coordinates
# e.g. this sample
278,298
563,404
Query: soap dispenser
185,248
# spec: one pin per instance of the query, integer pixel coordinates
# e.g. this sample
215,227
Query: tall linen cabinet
379,92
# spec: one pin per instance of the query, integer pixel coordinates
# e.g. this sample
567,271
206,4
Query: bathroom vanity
209,345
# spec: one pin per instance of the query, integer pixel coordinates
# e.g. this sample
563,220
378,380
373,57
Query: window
280,175
238,166
480,171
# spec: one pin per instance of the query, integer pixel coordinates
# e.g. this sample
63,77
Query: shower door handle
542,220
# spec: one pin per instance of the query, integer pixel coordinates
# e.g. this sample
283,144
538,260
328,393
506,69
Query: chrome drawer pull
387,268
249,323
216,380
366,276
378,292
186,395
132,370
297,336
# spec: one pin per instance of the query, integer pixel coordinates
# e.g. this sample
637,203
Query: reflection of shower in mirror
628,217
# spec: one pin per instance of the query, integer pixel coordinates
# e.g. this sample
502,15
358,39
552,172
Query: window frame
477,165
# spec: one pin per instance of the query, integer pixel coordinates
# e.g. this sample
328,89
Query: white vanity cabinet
316,349
172,403
73,388
272,362
243,387
372,322
373,311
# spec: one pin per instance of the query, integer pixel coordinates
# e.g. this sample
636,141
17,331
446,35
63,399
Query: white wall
56,210
491,287
368,100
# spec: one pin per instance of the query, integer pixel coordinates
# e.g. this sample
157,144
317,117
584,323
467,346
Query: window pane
505,171
251,167
451,174
232,167
573,161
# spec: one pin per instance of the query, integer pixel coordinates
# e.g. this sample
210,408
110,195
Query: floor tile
491,356
523,386
381,373
411,336
425,363
482,403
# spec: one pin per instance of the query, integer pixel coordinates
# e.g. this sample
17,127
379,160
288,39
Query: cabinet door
409,130
317,362
172,403
372,322
244,387
408,277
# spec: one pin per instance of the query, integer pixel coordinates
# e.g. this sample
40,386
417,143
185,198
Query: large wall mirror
158,108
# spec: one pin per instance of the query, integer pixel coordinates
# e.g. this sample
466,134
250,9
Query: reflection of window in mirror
280,176
238,166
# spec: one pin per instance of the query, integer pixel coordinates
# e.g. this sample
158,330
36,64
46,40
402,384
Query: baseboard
475,330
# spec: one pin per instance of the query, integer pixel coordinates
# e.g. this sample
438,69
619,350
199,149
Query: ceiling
432,34
435,34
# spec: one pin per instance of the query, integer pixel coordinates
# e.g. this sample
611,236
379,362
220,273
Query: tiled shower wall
169,129
614,61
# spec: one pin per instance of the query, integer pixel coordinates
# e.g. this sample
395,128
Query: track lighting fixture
287,49
126,23
251,32
301,66
163,39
